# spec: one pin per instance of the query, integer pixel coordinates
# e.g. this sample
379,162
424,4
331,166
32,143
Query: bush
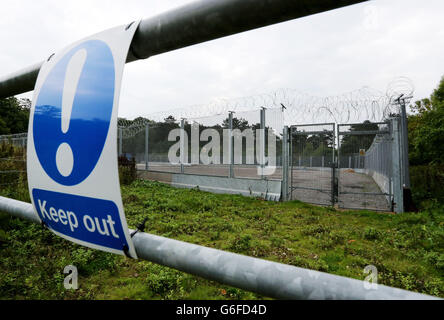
372,233
426,183
436,259
241,243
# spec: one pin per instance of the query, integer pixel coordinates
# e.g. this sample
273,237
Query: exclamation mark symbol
64,155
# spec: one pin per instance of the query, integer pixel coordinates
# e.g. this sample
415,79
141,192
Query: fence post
182,144
120,140
147,132
334,143
333,184
231,143
398,195
290,166
262,141
285,164
404,146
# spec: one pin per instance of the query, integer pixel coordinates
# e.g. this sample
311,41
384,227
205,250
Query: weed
372,233
407,249
241,243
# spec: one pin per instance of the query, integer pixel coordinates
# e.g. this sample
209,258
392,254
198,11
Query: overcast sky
326,54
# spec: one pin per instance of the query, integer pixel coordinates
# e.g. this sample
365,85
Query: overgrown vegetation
12,166
426,151
14,115
407,249
427,184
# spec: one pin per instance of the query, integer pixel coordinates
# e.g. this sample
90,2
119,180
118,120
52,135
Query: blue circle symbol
90,116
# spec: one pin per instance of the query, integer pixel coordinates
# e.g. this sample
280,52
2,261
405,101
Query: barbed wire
398,87
359,105
296,108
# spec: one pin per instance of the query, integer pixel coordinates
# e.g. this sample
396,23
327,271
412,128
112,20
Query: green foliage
159,146
241,244
314,145
238,123
426,137
351,144
426,129
13,178
407,249
426,152
427,184
371,233
14,115
157,138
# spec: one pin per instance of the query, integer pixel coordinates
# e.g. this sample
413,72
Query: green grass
407,249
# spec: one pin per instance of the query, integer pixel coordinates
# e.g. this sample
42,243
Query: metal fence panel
208,146
312,158
364,169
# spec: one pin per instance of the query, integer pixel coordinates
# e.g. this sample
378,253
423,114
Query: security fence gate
365,166
312,163
348,165
352,166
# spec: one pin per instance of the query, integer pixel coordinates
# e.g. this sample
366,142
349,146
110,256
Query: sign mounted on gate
72,142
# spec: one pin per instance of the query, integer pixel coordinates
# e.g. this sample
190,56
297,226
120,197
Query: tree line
425,130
